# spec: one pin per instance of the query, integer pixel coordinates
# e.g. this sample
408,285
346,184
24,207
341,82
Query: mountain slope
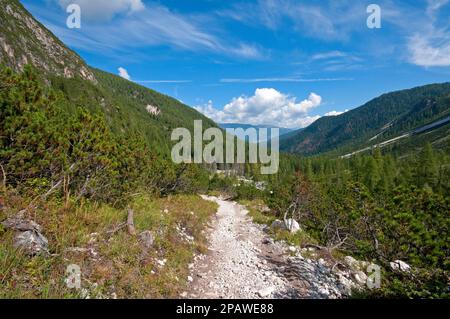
383,118
282,130
127,107
23,40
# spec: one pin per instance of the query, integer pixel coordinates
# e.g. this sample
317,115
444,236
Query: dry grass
113,265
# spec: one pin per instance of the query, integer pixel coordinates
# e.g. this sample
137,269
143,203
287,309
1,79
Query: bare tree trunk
130,223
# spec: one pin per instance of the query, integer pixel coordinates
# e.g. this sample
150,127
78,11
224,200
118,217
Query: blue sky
278,62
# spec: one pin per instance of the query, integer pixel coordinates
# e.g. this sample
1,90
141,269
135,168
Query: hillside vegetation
385,117
376,207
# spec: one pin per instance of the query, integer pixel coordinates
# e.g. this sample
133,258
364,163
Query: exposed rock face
23,41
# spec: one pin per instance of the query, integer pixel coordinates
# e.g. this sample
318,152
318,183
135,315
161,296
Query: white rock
153,110
161,263
289,225
400,265
351,262
32,242
292,249
360,277
190,279
266,292
292,225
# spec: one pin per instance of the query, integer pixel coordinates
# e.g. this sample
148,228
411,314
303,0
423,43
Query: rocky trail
244,262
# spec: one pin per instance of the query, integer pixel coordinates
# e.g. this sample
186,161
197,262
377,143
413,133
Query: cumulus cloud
266,106
335,113
101,10
124,74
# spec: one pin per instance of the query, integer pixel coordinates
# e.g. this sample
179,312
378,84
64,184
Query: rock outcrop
28,236
23,40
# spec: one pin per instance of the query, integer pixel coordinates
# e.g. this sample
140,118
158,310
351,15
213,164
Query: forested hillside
376,207
385,117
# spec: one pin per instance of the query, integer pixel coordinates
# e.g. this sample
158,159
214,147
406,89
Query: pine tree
427,168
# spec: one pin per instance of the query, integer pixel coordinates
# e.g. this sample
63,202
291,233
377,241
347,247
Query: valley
93,204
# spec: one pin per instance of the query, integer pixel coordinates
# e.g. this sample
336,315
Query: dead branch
338,264
50,191
4,175
339,244
130,223
116,229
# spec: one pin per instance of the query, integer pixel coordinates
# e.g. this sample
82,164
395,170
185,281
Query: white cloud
425,53
152,24
434,6
283,79
247,51
266,106
329,55
328,20
335,113
430,47
101,10
124,74
164,81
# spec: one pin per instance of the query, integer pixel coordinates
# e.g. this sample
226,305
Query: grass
256,211
261,215
120,265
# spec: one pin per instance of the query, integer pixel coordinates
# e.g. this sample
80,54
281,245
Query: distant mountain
381,119
282,131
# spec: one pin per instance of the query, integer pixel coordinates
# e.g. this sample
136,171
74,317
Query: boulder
360,277
399,265
20,224
356,265
290,225
292,249
351,262
33,243
28,236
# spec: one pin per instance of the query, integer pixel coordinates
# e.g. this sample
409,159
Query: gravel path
243,262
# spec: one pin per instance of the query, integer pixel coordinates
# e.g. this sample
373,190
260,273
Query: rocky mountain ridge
23,40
